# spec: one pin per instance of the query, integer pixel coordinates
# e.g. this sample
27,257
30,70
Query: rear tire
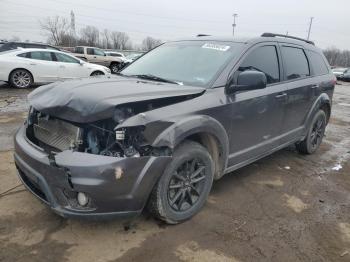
183,189
21,78
315,134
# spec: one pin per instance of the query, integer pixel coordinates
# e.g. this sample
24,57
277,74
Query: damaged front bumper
56,180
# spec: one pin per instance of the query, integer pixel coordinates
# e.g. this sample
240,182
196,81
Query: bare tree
120,40
90,35
149,43
56,28
337,57
106,39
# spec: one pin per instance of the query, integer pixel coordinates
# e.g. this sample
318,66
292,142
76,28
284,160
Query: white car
25,67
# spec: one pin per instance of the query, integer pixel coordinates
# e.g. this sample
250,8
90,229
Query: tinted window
65,58
41,55
79,50
263,59
318,65
295,63
90,51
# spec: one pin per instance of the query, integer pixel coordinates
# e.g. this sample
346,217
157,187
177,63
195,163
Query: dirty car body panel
156,117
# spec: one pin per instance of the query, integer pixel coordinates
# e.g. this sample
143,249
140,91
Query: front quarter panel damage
168,133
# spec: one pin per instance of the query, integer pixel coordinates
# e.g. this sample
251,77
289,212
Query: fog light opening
83,199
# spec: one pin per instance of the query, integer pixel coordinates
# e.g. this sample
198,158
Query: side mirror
247,80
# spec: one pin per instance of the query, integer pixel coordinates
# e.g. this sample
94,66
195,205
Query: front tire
21,78
184,187
115,67
315,134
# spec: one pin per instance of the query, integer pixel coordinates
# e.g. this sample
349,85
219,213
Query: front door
97,56
257,115
70,67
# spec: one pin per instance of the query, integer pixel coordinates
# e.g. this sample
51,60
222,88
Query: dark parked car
181,116
14,45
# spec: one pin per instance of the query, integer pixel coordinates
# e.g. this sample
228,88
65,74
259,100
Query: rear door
42,66
301,91
257,115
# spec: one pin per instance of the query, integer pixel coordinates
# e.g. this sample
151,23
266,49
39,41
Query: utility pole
308,34
72,27
234,24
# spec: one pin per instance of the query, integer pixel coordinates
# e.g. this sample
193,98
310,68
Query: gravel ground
285,207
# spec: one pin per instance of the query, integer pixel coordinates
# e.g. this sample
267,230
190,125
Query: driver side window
263,59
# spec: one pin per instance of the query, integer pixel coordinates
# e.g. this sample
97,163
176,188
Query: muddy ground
286,207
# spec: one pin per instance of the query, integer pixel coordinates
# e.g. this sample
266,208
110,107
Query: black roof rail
287,36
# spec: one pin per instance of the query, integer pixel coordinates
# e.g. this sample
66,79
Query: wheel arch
322,102
21,68
95,71
202,129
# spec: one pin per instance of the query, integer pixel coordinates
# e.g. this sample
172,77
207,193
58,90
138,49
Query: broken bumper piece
111,186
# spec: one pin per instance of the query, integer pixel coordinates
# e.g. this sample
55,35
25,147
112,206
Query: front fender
180,130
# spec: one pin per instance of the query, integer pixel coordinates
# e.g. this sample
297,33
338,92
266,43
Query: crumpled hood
91,99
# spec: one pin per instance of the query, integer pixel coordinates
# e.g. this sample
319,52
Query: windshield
190,62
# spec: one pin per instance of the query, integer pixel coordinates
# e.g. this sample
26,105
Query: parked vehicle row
184,114
98,56
23,68
342,73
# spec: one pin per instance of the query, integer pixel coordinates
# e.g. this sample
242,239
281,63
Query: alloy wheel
21,78
317,133
114,68
186,185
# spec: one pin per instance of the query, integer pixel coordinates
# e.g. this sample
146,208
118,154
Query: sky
169,20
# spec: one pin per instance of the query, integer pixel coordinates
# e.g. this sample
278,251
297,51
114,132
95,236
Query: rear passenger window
295,63
263,59
24,55
90,51
318,65
41,55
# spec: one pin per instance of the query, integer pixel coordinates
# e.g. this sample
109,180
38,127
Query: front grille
56,133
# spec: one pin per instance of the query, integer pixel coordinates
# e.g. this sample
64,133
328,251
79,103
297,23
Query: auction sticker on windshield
222,48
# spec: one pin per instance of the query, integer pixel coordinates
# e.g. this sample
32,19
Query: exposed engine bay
100,138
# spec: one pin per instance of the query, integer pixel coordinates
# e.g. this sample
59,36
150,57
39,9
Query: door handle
281,96
32,63
315,86
62,66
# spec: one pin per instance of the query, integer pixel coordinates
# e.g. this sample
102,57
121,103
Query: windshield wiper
156,78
